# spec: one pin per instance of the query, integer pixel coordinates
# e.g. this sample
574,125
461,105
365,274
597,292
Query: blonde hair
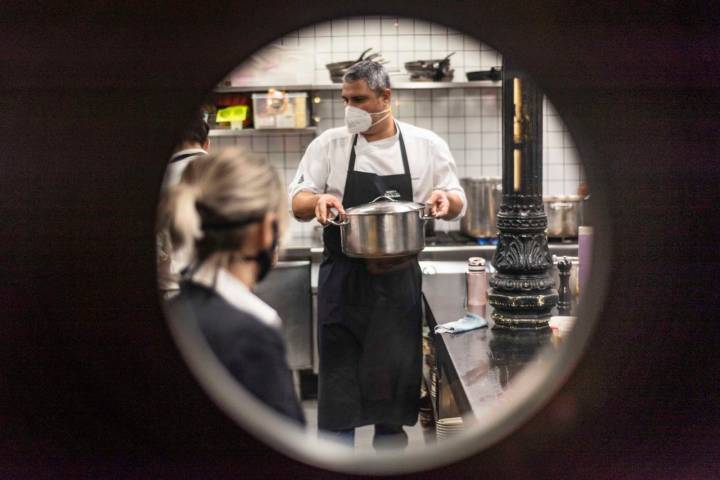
230,185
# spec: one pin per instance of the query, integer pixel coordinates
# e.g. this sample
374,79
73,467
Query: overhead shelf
338,86
260,131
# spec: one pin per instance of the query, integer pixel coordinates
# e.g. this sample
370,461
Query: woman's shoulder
215,316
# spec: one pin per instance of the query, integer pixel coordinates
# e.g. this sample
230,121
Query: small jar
477,282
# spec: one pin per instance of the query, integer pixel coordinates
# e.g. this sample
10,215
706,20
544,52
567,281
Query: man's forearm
303,205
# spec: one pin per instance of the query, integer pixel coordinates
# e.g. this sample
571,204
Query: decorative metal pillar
522,292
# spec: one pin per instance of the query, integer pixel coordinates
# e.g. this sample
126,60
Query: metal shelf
338,86
260,131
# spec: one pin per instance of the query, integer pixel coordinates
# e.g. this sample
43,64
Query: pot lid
385,205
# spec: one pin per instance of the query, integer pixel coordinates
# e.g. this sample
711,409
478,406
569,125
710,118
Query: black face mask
264,259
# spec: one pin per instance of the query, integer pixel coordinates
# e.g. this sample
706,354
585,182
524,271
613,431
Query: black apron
369,323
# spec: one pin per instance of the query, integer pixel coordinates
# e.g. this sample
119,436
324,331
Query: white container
280,110
562,325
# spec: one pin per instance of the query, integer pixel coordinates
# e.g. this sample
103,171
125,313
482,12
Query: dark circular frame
93,380
529,392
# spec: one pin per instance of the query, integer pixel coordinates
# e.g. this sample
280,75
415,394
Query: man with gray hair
370,312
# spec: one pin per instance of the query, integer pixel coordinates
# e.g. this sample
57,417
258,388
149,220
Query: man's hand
322,208
439,204
308,205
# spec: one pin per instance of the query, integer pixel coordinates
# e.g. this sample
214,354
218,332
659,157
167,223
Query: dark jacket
252,351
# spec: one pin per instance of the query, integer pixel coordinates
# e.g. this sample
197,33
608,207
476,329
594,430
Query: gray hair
372,72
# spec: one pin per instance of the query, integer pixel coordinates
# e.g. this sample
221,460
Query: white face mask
358,120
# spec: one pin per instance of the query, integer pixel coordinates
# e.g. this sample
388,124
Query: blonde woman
229,211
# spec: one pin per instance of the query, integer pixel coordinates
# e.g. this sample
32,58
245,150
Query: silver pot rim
384,205
412,208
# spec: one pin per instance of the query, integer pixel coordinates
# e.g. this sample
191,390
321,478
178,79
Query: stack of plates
448,427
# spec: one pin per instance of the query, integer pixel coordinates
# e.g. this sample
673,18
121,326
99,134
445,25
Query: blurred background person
230,208
194,142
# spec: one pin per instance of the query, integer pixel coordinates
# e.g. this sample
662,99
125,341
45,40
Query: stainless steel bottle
477,282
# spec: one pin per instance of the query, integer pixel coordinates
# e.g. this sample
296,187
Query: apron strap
182,157
351,166
403,153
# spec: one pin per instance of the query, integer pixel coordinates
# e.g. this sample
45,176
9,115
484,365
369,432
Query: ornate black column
522,292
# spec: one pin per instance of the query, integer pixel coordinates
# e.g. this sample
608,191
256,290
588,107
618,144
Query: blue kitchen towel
471,321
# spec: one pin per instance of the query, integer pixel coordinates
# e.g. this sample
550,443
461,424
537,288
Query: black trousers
370,338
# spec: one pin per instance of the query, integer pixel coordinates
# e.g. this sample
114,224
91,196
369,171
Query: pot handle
386,196
332,221
425,217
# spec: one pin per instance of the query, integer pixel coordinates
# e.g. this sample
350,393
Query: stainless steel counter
433,259
305,250
441,265
287,289
477,365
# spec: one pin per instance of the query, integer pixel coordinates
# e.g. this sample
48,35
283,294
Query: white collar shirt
235,293
324,166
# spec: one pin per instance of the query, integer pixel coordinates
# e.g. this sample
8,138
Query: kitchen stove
456,238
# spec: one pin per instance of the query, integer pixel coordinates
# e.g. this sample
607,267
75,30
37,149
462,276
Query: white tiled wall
469,119
399,40
562,168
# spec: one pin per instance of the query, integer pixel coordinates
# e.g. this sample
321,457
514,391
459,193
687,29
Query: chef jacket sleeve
445,172
312,173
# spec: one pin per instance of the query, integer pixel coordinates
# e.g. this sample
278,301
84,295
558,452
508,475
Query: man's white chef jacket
323,168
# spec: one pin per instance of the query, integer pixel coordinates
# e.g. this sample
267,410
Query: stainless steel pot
484,196
564,214
383,228
427,70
